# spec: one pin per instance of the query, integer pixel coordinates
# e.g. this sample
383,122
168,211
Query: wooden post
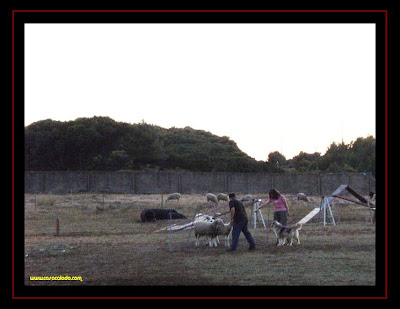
57,227
57,222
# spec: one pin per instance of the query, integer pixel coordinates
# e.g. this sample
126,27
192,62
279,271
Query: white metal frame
326,205
254,214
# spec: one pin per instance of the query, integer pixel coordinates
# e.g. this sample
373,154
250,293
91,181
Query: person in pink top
281,209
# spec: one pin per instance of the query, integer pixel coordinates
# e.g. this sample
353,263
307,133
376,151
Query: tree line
102,144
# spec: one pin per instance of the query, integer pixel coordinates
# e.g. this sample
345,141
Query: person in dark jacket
239,222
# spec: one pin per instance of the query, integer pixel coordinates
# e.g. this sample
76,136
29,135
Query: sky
268,87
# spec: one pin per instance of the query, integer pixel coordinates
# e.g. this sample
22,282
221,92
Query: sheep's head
209,218
214,226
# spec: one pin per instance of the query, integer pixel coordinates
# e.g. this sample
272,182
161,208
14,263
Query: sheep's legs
212,242
216,242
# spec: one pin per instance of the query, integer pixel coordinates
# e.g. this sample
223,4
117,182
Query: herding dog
288,233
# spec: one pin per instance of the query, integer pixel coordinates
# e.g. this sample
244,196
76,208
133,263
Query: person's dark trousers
236,229
281,217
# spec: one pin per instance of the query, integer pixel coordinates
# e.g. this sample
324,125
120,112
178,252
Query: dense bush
100,143
358,156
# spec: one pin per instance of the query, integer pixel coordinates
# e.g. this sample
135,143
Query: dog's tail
297,226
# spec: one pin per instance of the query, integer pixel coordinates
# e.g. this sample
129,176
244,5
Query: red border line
202,11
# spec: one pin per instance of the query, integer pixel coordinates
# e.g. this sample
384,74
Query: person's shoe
230,250
252,248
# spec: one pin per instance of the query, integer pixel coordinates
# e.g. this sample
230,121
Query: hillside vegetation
100,143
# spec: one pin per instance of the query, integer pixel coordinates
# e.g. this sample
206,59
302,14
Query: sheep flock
209,227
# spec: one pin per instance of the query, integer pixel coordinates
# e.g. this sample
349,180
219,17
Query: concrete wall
191,182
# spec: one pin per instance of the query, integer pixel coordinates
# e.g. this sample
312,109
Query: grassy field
102,240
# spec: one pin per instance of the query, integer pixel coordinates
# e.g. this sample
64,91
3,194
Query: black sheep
160,214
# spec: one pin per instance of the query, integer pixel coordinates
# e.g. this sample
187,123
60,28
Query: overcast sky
269,87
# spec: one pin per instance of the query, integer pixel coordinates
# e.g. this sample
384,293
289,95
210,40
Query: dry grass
103,240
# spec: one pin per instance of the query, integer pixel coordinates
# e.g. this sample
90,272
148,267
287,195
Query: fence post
319,184
134,182
43,184
88,182
57,227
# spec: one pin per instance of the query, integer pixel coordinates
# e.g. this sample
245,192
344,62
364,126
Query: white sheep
203,217
212,197
246,198
225,231
222,197
302,197
209,229
173,196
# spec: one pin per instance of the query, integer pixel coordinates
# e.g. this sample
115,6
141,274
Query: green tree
277,159
306,162
363,154
100,143
118,160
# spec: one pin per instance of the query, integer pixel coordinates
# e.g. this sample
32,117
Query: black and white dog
286,233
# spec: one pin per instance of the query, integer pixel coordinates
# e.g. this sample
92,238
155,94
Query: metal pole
262,218
190,230
170,231
268,224
330,210
255,206
320,208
